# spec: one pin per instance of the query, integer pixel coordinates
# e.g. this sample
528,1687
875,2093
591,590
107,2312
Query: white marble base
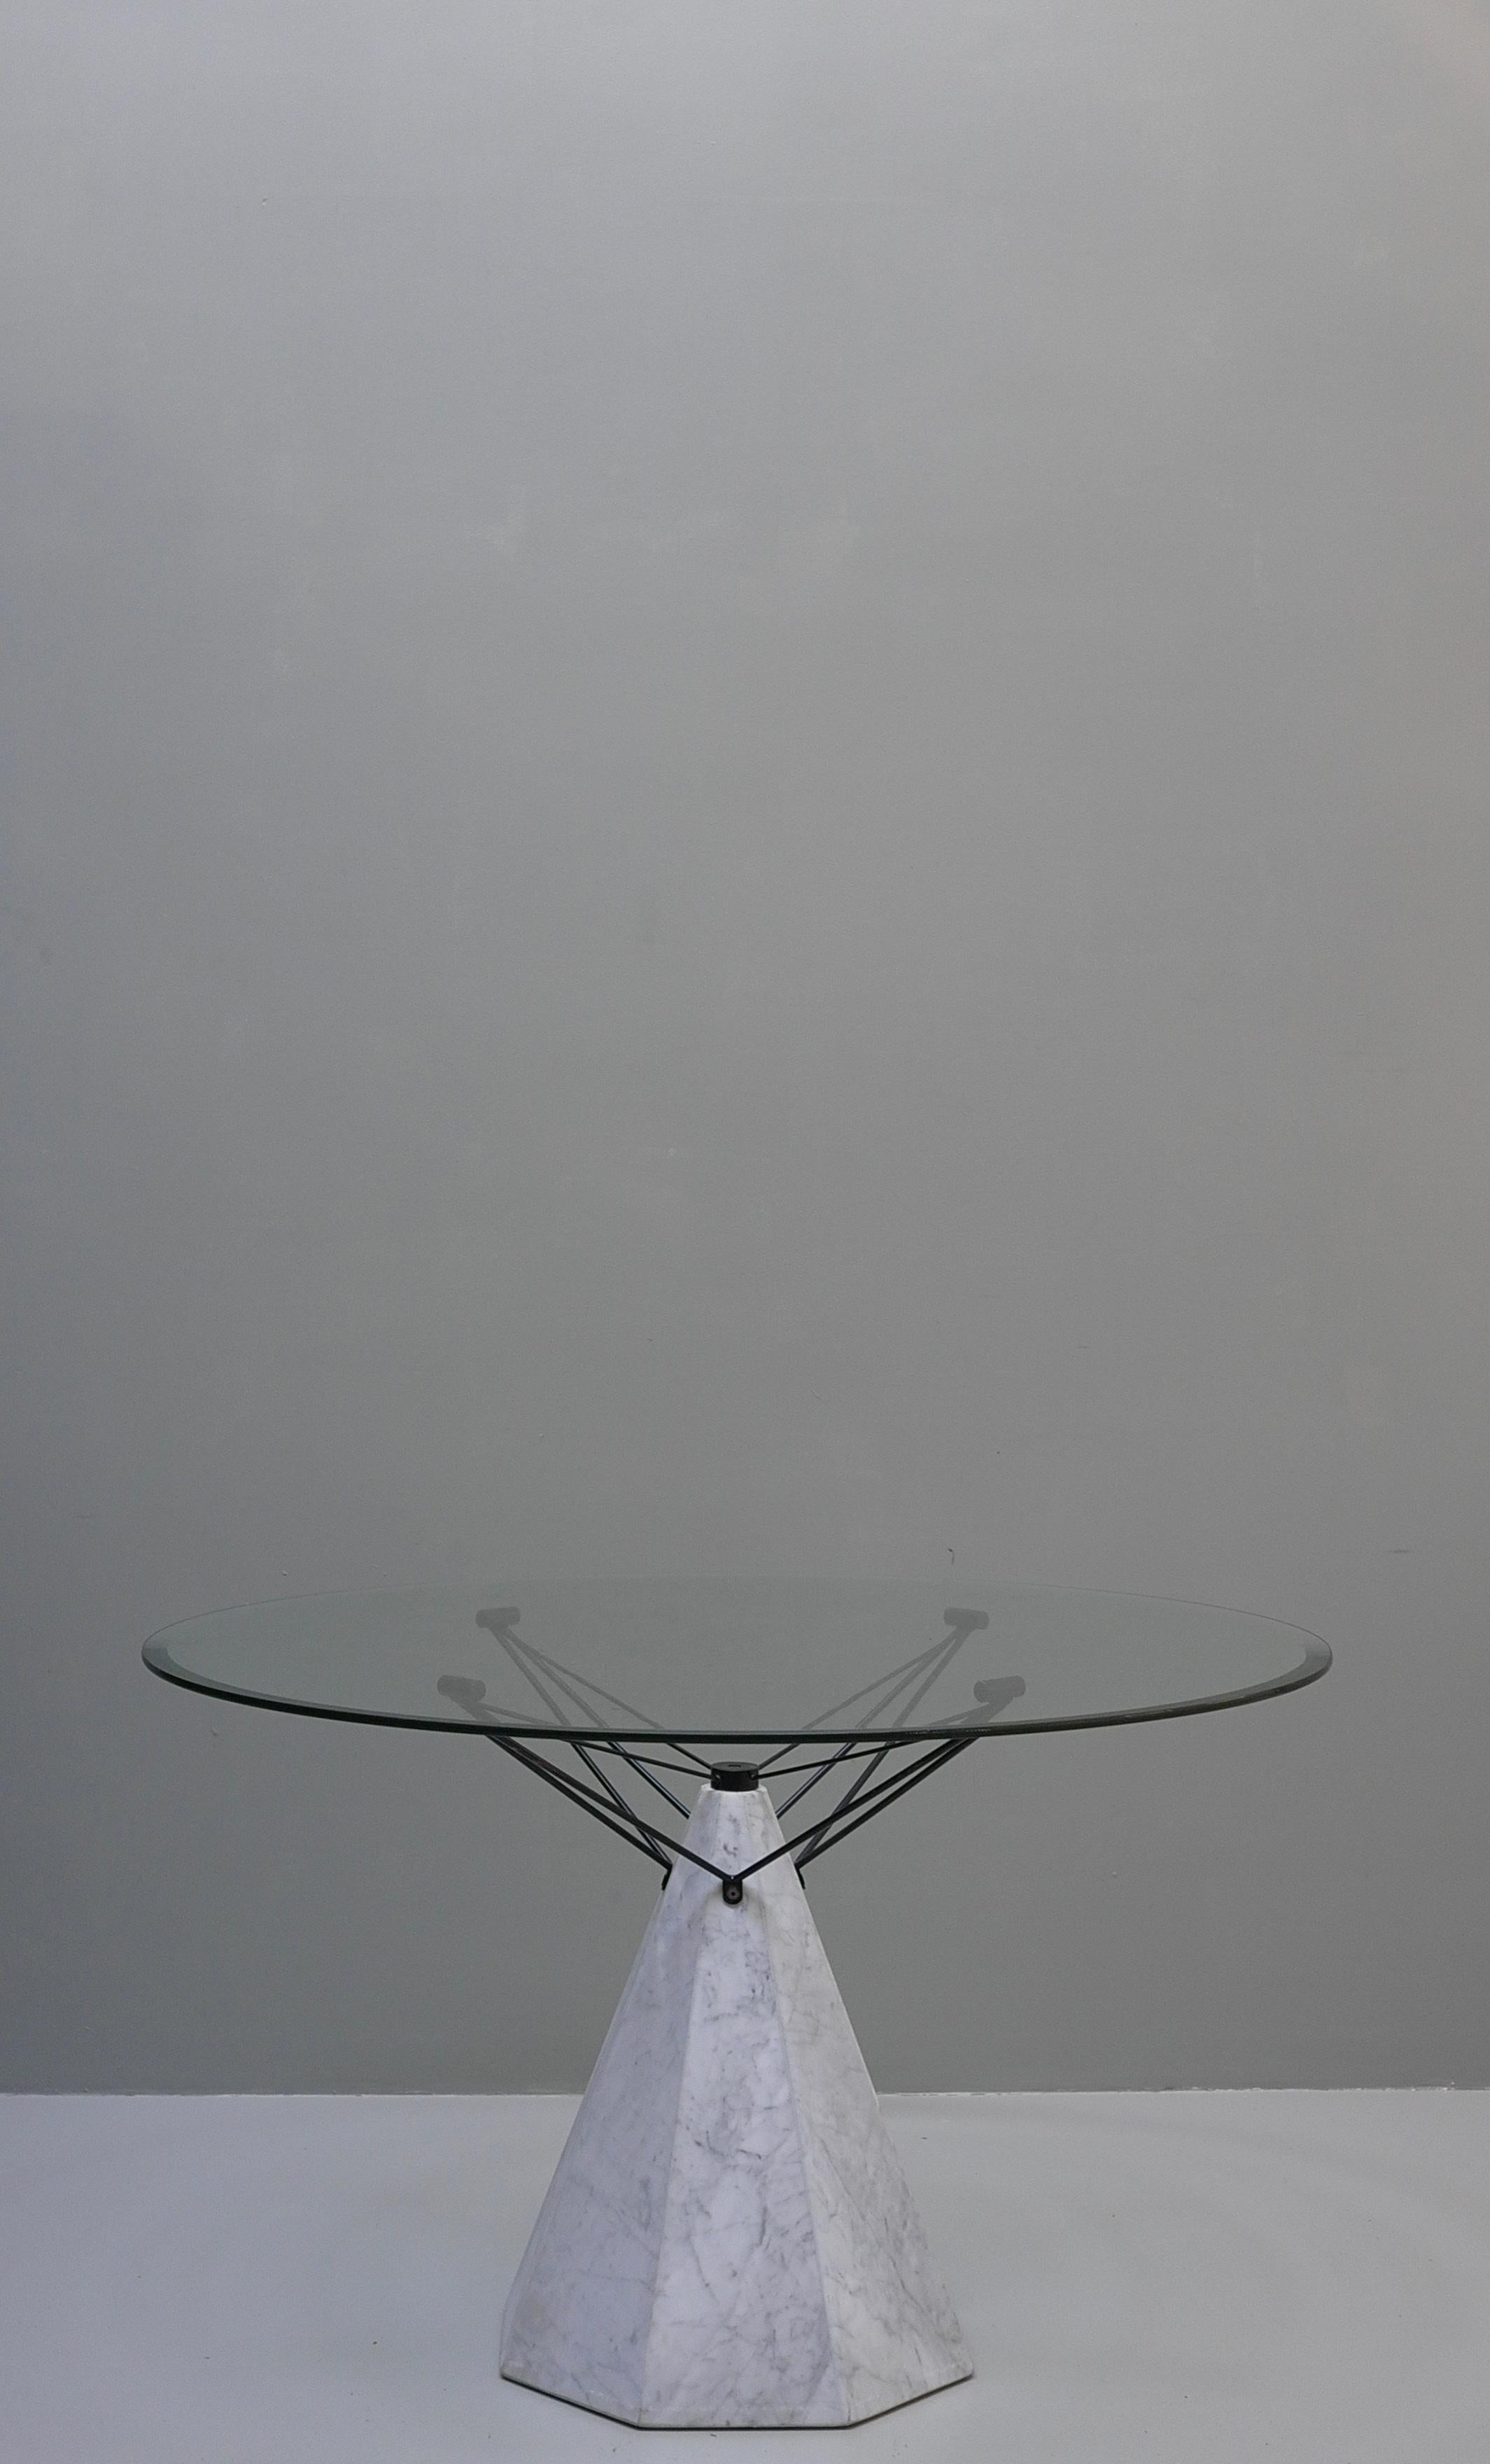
729,2242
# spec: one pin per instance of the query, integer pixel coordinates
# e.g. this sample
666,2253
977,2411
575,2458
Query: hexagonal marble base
729,2240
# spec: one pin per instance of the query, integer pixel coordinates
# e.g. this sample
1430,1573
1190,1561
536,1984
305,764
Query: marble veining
729,2240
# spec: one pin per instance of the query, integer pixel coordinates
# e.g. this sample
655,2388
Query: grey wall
746,827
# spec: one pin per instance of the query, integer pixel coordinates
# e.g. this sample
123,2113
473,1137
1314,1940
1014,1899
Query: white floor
1279,2277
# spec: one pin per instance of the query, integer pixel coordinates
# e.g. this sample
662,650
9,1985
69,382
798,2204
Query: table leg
729,2240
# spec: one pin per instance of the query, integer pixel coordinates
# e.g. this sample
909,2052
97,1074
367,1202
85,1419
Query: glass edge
1316,1663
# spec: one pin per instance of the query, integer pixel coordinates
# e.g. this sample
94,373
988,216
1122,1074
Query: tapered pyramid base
729,2242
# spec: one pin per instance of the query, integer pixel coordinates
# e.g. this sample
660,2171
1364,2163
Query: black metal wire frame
863,1797
862,1800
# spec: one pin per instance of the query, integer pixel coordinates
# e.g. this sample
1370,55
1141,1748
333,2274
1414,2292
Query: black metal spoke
885,1688
577,1796
770,1760
933,1661
641,1770
608,1784
534,1659
853,1792
695,1768
500,1622
922,1770
644,1834
853,1748
948,1656
819,1771
871,1801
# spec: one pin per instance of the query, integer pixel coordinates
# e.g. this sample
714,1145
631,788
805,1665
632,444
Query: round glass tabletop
750,1662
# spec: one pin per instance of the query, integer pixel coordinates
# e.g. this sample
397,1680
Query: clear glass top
748,1663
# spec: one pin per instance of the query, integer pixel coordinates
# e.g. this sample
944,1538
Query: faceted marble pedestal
729,2242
